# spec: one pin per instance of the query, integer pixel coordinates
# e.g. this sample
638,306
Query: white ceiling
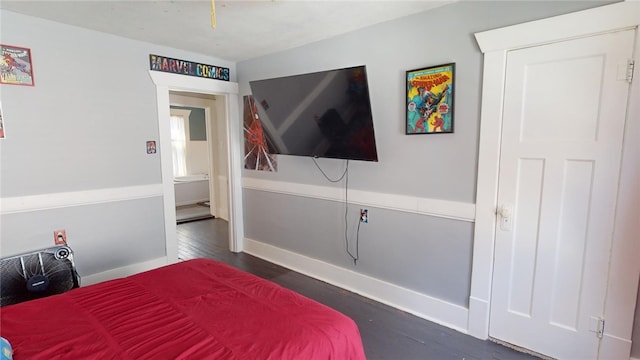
244,29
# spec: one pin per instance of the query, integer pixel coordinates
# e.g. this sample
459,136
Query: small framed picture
15,65
430,100
151,147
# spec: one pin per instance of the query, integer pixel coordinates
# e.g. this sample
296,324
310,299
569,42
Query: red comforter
197,309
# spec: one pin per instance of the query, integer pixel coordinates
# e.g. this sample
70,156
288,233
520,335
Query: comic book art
184,67
15,66
257,154
430,100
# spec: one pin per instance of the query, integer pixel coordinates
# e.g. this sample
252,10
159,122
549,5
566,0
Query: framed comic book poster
15,65
258,151
430,100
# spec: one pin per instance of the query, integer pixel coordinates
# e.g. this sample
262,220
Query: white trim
613,347
486,193
212,140
20,204
495,44
423,206
632,358
622,15
625,269
478,309
222,208
228,95
123,271
166,168
193,84
429,308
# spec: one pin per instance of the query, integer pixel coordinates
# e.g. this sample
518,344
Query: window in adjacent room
179,128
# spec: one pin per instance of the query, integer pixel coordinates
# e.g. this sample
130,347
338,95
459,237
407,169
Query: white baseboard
478,318
613,347
223,213
633,358
123,271
421,305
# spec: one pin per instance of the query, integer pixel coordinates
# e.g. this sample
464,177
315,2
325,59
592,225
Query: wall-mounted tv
320,114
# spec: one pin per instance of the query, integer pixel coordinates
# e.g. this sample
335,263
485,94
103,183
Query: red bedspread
197,309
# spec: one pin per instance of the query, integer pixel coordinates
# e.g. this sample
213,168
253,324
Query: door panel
563,122
561,110
573,221
530,176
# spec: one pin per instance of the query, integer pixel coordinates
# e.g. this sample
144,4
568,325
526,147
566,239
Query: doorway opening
200,153
226,95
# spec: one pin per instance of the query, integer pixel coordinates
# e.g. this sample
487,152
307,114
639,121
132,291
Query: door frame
624,269
227,93
211,113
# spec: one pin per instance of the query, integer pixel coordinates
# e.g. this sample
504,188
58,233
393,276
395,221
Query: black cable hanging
345,175
346,221
327,177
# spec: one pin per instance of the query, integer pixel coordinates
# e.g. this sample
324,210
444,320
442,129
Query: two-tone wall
74,156
416,250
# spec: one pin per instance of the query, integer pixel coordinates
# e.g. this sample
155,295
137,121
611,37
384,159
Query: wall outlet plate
364,215
60,237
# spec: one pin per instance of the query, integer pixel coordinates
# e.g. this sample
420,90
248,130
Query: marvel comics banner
184,67
15,66
430,100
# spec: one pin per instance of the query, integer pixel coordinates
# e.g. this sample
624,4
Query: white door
563,124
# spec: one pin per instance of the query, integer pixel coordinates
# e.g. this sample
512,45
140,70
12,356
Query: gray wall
408,250
197,123
427,254
83,126
102,236
434,166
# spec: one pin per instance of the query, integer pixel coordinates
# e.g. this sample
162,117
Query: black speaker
37,274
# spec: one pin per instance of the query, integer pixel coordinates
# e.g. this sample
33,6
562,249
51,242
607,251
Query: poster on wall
151,147
430,100
257,154
1,123
15,66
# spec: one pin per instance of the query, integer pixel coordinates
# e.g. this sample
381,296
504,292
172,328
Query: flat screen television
322,114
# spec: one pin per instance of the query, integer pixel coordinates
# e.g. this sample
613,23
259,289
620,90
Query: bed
196,309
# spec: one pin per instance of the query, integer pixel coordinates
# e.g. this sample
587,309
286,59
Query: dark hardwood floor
387,333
